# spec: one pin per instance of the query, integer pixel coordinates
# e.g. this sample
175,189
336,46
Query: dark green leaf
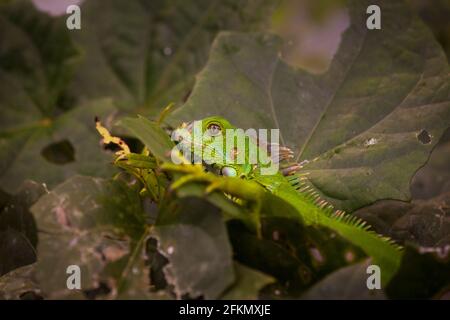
433,179
365,126
348,283
18,234
197,248
424,273
146,53
15,251
19,284
296,255
38,140
151,134
16,215
23,159
87,222
424,222
248,284
33,70
135,284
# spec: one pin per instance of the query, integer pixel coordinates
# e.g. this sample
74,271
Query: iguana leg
249,191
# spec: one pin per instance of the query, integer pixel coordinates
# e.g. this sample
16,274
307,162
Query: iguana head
206,141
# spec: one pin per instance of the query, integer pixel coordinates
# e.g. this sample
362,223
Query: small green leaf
247,285
151,134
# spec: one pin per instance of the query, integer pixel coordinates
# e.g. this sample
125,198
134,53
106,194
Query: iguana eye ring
214,129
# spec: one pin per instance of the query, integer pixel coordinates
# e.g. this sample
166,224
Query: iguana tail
314,210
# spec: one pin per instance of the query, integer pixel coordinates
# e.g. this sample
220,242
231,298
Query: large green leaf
38,139
52,153
92,223
365,126
426,219
146,53
194,240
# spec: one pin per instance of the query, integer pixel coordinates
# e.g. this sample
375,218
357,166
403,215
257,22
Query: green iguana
245,182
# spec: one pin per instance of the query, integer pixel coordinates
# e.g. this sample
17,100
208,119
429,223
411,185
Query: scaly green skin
248,184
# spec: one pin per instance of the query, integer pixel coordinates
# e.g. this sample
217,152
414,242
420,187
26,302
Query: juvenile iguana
245,182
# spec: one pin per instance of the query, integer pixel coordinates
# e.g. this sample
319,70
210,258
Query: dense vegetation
371,132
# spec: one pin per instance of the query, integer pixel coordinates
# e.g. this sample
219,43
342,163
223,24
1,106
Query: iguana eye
214,129
229,172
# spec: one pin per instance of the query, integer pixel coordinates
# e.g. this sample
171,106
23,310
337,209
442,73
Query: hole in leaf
157,264
424,137
135,145
61,152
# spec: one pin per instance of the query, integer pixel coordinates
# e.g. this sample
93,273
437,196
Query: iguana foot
279,153
231,186
192,173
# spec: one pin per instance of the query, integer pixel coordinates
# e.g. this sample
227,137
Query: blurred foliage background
136,57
